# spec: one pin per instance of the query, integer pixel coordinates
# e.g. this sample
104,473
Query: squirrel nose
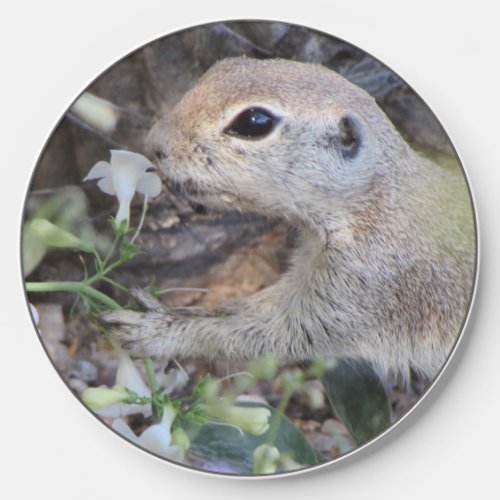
156,141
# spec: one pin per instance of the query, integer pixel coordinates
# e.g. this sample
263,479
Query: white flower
127,375
110,402
173,380
125,174
156,438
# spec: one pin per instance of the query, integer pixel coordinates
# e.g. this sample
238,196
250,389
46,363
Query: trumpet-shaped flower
127,376
125,174
251,419
156,438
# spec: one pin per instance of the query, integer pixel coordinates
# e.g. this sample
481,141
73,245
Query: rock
332,426
77,385
83,370
51,329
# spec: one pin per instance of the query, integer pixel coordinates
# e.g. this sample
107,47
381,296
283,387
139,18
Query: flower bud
97,112
211,390
251,419
52,235
264,368
180,438
98,397
265,459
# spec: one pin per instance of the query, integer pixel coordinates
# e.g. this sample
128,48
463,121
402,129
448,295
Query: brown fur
386,263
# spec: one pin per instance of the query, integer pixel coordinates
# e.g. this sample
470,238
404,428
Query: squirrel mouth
192,190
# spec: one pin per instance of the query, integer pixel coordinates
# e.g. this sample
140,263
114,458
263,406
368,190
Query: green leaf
223,446
33,250
128,251
358,398
52,235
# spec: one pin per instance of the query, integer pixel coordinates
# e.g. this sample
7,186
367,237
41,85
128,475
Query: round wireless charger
249,248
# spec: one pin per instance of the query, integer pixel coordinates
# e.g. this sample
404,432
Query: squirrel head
277,137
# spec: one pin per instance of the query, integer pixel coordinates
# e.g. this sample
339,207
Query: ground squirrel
386,261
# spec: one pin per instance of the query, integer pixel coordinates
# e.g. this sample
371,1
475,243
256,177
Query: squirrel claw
123,324
146,300
139,332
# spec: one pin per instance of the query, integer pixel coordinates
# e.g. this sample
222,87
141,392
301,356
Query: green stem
75,287
150,372
141,222
115,284
112,249
280,412
156,404
100,274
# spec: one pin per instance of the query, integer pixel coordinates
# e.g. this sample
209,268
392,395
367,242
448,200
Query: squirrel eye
253,123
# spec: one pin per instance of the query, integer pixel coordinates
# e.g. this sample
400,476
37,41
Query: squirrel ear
348,138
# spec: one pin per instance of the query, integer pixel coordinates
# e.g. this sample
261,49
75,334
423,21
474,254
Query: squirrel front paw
141,333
